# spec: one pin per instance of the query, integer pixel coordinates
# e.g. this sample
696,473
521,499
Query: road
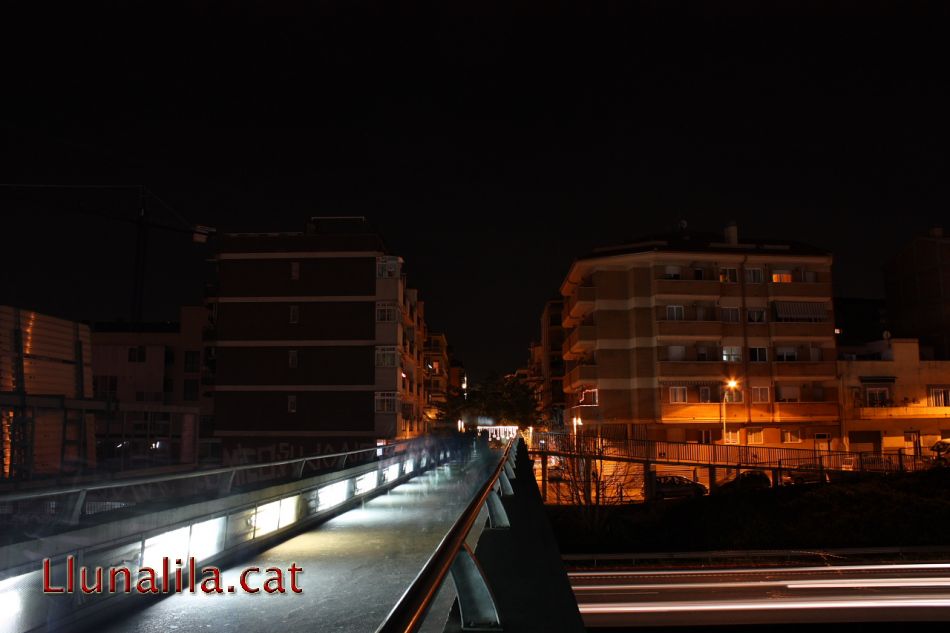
699,597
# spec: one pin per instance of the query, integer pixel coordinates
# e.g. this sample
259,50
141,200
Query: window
292,403
705,395
672,272
781,276
731,354
732,396
729,315
760,394
756,315
788,393
791,436
192,361
385,312
940,396
877,396
728,275
811,276
699,274
169,355
786,353
295,270
589,397
387,267
292,358
674,313
295,314
385,356
137,354
105,387
754,275
702,352
758,354
190,390
678,395
386,402
676,352
755,436
732,437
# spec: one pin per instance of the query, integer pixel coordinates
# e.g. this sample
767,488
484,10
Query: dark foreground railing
476,604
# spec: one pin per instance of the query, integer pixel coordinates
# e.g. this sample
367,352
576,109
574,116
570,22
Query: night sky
489,149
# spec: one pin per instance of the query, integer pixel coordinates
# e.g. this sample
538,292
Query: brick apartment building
655,329
157,376
319,342
552,364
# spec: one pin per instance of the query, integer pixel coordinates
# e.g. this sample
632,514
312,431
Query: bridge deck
356,565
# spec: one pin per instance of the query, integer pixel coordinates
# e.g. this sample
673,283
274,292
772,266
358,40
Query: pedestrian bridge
430,535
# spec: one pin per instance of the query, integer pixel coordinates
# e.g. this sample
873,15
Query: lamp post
577,422
731,385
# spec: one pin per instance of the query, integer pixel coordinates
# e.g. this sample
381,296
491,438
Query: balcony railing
800,289
708,287
580,339
689,328
805,368
580,375
910,411
581,302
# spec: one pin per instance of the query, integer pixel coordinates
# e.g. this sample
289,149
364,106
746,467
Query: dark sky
490,147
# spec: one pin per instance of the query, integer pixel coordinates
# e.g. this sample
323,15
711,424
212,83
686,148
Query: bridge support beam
497,516
506,489
475,600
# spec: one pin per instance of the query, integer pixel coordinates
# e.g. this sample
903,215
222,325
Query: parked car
805,474
675,487
748,480
941,452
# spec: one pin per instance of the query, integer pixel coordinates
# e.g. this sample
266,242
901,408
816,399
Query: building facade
47,414
655,331
891,400
918,293
552,364
319,342
158,378
436,363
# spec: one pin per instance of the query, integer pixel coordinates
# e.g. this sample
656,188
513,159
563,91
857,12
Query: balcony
800,289
689,328
688,287
787,329
806,411
579,304
800,369
580,340
580,375
908,412
713,370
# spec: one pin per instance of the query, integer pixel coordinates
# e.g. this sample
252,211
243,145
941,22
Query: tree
505,400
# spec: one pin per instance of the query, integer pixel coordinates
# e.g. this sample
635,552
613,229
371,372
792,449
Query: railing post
226,483
476,603
73,511
506,489
497,516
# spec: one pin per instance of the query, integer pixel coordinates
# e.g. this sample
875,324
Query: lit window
758,354
291,404
755,436
292,358
386,402
791,436
385,356
781,276
385,312
753,275
295,314
732,396
760,394
295,270
729,315
674,313
732,437
940,396
728,275
678,395
732,354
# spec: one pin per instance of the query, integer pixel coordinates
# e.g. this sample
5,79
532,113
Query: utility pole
138,272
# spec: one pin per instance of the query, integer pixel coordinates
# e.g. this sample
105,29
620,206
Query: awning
801,310
877,378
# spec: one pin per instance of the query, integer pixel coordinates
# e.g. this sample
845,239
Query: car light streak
906,602
762,570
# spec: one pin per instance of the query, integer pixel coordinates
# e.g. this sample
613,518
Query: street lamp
731,385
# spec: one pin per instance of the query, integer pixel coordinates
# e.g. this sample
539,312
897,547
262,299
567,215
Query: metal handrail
410,612
138,481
